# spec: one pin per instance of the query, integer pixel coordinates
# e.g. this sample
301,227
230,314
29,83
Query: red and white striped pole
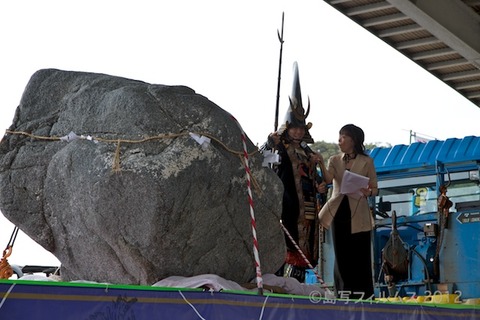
304,257
252,213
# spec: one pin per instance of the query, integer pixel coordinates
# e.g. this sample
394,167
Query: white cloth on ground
292,285
211,281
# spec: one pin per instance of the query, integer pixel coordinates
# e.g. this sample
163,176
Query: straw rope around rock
116,163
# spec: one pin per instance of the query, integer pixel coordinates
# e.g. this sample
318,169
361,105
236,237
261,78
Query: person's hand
316,158
322,187
367,192
274,138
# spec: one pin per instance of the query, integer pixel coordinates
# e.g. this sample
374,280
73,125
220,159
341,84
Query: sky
229,52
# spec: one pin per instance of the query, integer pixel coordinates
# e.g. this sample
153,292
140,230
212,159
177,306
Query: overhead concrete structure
441,36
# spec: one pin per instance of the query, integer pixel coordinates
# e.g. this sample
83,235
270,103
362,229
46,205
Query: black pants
353,265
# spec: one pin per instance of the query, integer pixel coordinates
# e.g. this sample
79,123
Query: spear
280,38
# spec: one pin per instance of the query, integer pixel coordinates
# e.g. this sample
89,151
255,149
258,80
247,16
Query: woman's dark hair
357,135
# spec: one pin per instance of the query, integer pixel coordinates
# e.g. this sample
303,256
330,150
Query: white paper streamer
69,137
270,157
73,136
202,140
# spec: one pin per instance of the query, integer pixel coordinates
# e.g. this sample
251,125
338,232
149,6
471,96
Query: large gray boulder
115,208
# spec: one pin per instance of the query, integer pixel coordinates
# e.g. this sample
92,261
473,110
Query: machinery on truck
427,221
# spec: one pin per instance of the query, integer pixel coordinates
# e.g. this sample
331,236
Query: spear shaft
280,38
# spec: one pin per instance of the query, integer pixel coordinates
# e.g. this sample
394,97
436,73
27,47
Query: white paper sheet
352,183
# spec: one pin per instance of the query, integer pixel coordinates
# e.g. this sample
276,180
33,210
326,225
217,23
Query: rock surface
170,207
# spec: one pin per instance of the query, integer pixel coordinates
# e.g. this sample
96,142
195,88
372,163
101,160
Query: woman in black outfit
349,216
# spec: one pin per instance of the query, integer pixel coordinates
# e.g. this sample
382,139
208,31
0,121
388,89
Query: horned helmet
296,115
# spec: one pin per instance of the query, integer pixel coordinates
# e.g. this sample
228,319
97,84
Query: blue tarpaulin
418,155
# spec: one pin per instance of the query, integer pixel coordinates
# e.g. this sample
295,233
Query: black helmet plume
296,115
